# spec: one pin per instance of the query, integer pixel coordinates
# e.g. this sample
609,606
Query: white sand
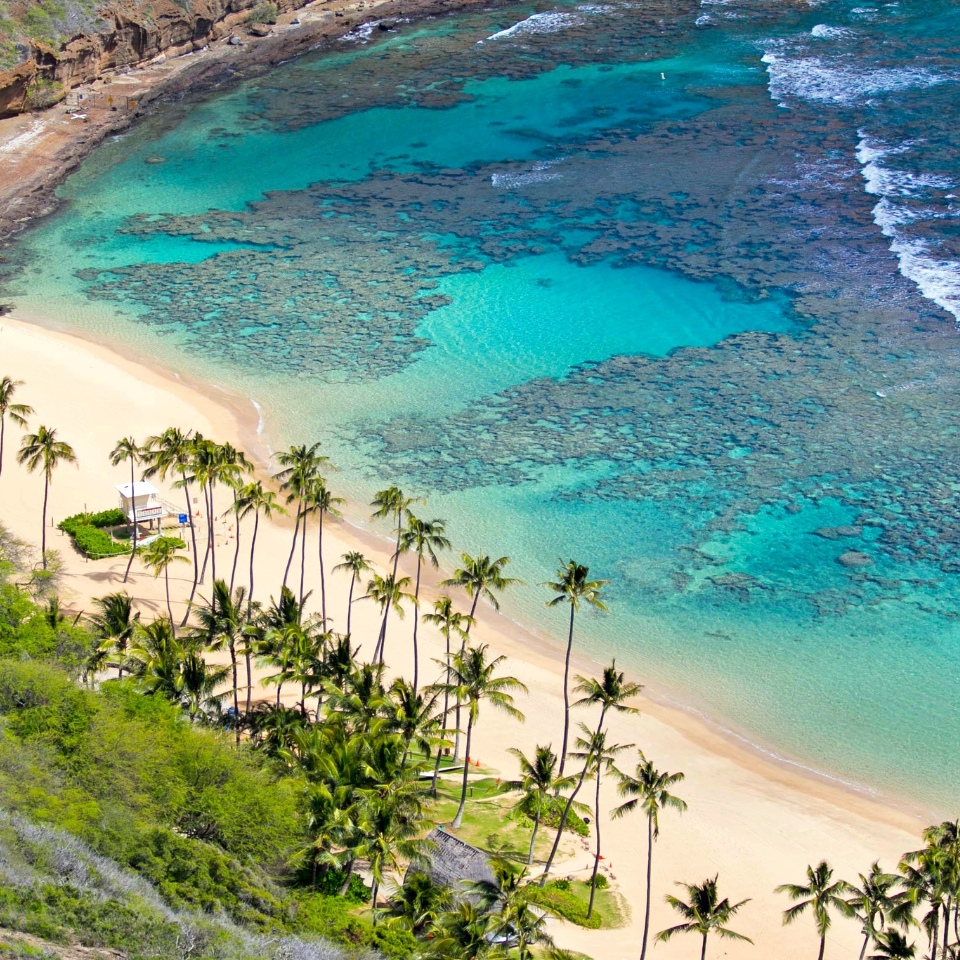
755,822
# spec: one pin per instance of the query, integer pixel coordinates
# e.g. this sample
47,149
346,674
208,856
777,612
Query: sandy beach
755,822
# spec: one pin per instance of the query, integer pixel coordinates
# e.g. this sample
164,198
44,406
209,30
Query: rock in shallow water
854,559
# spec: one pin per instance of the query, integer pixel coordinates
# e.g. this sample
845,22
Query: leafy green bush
394,942
89,538
602,882
264,13
329,885
563,902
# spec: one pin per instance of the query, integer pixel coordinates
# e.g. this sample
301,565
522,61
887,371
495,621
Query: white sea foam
550,22
540,172
937,279
703,19
825,32
595,7
814,79
362,33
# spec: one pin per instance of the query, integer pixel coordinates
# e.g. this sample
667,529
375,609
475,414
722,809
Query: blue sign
184,518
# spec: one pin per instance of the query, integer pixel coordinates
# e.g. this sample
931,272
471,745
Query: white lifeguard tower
141,503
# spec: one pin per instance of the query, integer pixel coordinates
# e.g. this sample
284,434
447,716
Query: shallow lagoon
590,311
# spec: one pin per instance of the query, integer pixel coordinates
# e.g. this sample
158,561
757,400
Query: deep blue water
671,288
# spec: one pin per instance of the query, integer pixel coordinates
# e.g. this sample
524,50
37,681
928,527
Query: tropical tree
201,682
17,412
356,563
128,450
424,538
877,902
611,692
159,556
234,466
931,875
43,451
538,781
301,466
418,902
323,503
478,577
600,755
252,498
573,587
892,945
649,789
387,592
114,625
472,681
448,621
820,895
394,504
414,717
216,465
705,913
156,658
171,454
224,622
465,933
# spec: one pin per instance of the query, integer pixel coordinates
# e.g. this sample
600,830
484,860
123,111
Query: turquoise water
669,288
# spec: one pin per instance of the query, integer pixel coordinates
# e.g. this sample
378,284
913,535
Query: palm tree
223,623
157,659
573,587
235,465
252,498
201,682
127,449
387,592
892,945
649,789
929,877
356,563
472,681
414,717
611,692
215,464
42,450
465,933
425,538
321,501
392,503
114,624
875,903
18,412
704,914
538,779
418,902
449,621
594,750
301,466
820,895
479,576
159,556
171,452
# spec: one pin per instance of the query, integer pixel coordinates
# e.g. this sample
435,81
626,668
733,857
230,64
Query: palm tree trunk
293,546
43,532
436,775
823,945
533,836
133,551
236,552
236,691
863,949
303,558
3,430
246,654
416,608
446,713
566,693
347,879
596,859
166,584
253,546
353,580
646,909
463,646
213,550
703,949
946,928
458,819
196,561
933,937
376,890
323,582
206,552
396,552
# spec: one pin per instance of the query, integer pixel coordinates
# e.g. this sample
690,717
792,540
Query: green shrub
89,538
264,13
106,518
602,882
329,885
45,93
394,942
563,902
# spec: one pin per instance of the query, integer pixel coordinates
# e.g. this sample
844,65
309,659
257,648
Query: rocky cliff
129,33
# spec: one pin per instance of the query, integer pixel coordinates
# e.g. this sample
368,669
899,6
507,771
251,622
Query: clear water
671,288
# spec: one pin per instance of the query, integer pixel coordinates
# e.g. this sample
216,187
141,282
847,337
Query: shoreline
40,149
240,419
757,820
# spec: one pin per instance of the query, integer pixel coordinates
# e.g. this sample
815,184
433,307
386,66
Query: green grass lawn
570,901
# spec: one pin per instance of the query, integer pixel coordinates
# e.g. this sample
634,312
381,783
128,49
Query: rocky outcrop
133,33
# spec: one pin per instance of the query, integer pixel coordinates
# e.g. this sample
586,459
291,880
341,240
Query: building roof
140,489
452,862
